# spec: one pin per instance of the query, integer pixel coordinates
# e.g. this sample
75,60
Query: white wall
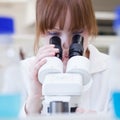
23,14
18,12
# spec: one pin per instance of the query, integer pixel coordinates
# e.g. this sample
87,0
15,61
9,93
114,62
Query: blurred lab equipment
10,78
62,90
115,65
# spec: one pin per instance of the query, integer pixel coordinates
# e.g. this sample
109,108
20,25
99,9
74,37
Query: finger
80,110
45,48
48,50
47,54
37,67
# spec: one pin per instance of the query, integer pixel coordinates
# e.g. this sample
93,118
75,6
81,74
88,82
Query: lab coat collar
98,60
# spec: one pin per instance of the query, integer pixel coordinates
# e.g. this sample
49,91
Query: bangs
51,12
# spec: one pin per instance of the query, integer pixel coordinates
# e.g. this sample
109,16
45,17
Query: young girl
65,18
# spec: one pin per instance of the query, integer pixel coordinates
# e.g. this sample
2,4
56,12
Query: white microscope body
62,91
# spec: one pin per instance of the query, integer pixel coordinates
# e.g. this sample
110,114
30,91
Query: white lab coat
98,96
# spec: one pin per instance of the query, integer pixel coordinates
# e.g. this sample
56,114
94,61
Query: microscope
62,90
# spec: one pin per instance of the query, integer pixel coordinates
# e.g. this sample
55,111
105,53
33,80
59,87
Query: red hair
49,12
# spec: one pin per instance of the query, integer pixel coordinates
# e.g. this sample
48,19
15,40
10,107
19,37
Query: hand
81,110
39,61
35,93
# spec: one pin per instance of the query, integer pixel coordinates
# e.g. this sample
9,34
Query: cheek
85,44
44,40
65,40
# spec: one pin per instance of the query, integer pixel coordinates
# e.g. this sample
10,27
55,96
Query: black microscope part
76,48
57,42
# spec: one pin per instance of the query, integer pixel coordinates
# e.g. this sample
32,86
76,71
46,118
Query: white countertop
72,117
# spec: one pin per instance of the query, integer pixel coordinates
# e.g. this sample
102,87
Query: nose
65,43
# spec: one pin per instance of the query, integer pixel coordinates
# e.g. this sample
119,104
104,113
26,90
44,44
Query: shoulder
99,61
94,52
99,67
27,61
25,71
25,64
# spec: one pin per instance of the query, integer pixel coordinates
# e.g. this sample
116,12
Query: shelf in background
104,15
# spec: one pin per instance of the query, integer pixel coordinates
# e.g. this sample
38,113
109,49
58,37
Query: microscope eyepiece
76,48
57,42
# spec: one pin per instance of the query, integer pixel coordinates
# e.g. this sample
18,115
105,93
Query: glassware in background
115,65
10,77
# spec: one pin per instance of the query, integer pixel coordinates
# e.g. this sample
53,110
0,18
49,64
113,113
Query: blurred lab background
23,12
